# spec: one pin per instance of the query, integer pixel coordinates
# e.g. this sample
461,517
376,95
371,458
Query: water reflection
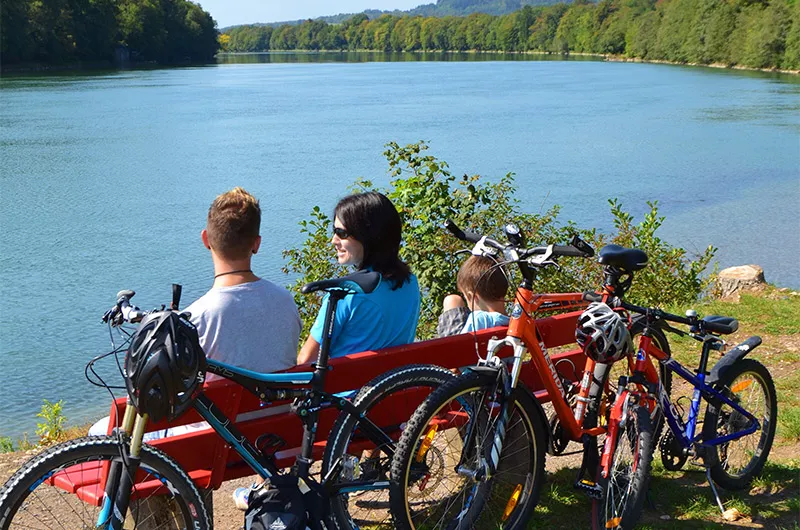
368,56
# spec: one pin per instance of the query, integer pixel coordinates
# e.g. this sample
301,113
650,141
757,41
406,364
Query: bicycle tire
180,506
752,450
625,488
507,499
346,509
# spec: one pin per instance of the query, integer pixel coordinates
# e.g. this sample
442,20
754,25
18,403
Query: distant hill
442,8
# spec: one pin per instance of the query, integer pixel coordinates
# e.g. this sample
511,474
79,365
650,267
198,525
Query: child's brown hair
473,276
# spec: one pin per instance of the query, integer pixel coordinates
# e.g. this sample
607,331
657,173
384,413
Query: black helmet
164,365
603,334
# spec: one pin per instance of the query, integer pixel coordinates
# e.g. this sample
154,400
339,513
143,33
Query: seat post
311,420
327,335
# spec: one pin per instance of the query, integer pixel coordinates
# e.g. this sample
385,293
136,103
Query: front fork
122,473
489,459
617,420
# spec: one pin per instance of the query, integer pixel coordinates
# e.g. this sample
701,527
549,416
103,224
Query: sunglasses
341,233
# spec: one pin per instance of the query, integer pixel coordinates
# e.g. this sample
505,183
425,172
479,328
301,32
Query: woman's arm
309,352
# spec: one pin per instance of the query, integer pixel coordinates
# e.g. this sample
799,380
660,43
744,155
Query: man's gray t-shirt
252,325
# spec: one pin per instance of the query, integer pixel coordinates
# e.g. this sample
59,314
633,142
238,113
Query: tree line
67,31
751,33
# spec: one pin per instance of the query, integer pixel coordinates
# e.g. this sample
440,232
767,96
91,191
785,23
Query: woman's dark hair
373,221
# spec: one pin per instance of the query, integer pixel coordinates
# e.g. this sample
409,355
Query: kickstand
714,489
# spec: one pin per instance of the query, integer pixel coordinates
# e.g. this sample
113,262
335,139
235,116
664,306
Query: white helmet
603,334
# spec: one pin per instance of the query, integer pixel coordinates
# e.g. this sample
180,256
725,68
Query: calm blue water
107,177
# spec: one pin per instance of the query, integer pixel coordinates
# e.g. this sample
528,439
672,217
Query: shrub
426,194
51,429
6,444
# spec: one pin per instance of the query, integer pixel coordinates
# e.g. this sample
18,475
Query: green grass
682,496
771,312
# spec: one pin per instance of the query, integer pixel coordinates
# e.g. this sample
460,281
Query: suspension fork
507,382
122,473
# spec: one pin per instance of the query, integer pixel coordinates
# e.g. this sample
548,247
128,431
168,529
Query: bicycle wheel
34,496
626,486
734,464
433,485
406,387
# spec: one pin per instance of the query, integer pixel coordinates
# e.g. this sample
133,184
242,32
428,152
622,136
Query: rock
732,514
742,278
665,517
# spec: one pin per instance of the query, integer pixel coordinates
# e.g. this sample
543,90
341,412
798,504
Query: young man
483,285
243,320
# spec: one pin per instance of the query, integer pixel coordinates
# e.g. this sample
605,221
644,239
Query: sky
233,12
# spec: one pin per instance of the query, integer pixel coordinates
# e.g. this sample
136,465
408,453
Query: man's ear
204,237
256,245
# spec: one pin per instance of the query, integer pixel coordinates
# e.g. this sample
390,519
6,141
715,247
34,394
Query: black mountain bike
34,496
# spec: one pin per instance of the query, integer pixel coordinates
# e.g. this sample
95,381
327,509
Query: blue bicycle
737,430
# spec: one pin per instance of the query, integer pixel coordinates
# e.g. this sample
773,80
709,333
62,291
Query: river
107,176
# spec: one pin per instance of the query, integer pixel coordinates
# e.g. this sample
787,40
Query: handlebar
713,324
578,248
123,311
658,314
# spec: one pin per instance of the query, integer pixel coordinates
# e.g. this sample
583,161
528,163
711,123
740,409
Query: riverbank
93,66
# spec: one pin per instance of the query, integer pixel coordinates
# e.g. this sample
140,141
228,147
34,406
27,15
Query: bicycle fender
731,358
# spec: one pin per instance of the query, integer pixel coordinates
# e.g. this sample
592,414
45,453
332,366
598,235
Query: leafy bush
426,194
6,444
51,429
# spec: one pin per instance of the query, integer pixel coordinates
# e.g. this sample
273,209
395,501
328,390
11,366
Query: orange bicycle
483,436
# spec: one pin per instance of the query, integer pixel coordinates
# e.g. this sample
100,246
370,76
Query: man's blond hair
234,222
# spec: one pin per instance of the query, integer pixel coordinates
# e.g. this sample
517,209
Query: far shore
45,68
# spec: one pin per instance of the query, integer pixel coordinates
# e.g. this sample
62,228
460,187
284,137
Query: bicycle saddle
361,282
629,259
720,324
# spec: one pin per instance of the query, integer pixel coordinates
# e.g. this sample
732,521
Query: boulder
742,278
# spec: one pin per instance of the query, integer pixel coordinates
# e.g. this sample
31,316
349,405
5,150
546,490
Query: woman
366,234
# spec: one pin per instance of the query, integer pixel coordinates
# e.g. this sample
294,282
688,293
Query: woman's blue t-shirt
380,319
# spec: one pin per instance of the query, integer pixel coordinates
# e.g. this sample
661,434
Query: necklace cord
232,272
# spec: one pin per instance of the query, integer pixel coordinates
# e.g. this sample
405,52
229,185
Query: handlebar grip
591,296
464,235
568,250
177,289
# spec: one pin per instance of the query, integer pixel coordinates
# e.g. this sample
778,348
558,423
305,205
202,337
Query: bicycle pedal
590,488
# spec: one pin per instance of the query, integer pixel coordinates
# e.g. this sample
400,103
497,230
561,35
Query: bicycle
484,433
131,469
737,430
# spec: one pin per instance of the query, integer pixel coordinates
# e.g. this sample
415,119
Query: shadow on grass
685,498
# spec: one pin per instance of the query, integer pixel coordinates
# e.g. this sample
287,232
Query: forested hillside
750,33
441,8
66,31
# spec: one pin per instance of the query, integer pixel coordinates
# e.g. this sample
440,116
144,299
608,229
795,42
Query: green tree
791,57
16,42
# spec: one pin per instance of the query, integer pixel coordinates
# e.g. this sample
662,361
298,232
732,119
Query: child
484,289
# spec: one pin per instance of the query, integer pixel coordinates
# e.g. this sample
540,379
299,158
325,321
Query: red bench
210,461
